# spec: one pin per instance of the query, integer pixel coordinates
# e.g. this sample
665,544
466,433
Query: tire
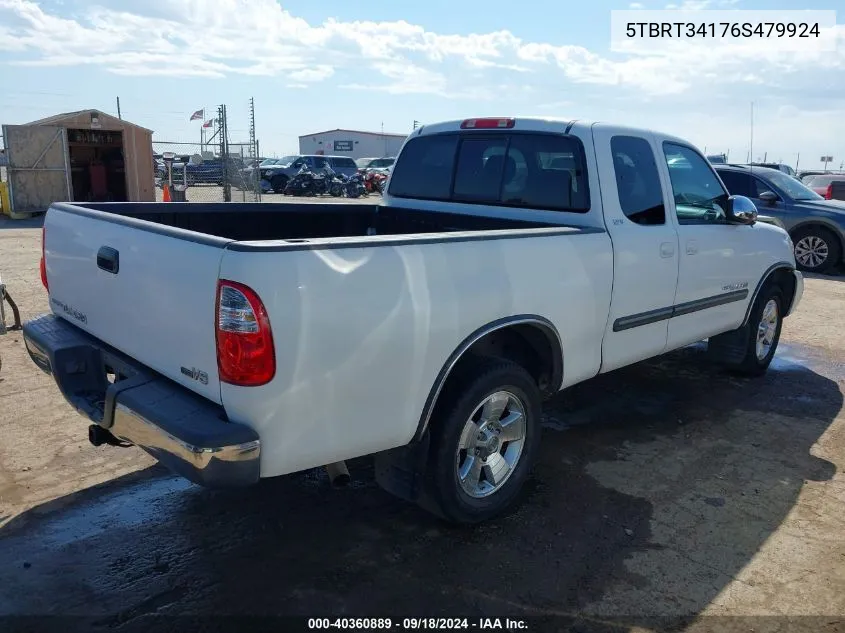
758,356
462,402
278,183
813,242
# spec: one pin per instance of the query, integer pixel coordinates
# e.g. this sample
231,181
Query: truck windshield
537,171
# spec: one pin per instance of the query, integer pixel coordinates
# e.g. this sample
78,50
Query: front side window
699,196
540,171
637,180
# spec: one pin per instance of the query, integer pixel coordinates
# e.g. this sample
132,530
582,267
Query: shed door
38,168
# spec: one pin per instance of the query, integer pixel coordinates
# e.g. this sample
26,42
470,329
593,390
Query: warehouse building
352,143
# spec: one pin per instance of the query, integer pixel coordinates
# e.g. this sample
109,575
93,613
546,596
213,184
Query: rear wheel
485,437
817,250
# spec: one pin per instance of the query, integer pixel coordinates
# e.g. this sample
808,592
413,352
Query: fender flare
771,270
546,326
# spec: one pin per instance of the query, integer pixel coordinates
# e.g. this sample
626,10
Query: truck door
645,246
719,262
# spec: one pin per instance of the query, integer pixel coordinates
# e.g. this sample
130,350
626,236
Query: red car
830,186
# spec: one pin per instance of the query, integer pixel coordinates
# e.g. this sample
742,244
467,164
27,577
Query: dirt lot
667,490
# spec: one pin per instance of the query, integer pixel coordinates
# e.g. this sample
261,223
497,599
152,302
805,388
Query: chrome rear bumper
184,431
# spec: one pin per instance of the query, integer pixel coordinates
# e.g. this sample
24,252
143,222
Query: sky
313,66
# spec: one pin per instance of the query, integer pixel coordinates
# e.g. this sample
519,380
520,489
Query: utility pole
118,109
751,142
253,150
224,152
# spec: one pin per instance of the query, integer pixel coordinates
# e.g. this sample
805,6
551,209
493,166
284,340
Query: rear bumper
185,432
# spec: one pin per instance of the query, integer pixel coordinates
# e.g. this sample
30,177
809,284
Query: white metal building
352,143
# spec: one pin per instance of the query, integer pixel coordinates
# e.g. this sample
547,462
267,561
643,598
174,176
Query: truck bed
295,221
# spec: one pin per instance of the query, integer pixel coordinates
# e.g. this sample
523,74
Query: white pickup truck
509,259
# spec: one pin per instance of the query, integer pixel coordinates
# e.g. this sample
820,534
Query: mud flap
729,348
400,471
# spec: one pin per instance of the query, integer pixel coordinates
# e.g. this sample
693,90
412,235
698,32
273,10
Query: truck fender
401,470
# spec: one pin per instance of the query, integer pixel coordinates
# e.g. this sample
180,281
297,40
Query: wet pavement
657,488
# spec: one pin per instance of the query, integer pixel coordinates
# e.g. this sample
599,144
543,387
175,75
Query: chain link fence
218,178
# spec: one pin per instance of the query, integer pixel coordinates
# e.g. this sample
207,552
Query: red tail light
487,124
245,354
43,264
828,194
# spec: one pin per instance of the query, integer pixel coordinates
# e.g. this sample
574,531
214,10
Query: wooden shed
85,156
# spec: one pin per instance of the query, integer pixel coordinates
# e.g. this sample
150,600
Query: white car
509,259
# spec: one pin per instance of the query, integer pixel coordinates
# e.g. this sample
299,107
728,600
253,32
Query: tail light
43,264
245,354
828,194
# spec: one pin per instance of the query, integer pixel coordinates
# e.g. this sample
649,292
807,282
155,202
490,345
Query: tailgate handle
108,259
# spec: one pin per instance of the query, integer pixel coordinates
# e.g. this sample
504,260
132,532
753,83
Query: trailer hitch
16,315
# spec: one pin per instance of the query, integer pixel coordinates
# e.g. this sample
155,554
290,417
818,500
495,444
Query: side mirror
741,210
769,197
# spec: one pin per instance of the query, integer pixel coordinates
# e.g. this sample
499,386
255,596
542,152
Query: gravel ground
668,496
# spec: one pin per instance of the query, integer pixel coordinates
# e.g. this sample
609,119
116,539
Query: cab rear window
539,171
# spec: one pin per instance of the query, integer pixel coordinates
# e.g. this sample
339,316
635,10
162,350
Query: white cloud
259,38
636,5
317,73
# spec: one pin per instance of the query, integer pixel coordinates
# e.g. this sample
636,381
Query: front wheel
750,349
484,439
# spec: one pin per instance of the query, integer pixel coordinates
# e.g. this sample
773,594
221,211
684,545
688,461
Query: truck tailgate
147,291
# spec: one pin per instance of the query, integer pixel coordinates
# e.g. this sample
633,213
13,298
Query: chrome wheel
491,444
811,251
767,329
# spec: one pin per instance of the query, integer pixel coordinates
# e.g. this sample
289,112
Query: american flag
208,123
199,114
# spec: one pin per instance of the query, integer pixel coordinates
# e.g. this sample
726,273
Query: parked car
815,225
361,163
366,164
823,184
277,176
786,169
423,331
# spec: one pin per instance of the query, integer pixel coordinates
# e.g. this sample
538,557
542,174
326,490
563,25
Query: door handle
108,259
667,249
692,247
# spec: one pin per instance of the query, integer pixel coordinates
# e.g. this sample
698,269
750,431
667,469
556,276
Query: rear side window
742,184
344,162
637,180
541,171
